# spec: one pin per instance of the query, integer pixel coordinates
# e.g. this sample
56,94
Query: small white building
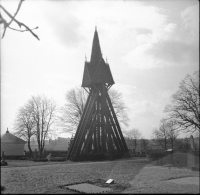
12,145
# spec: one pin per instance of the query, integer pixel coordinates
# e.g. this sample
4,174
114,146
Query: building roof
96,71
9,138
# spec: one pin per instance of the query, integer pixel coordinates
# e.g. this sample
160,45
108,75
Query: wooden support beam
109,140
108,131
117,123
78,128
88,127
89,136
97,124
82,128
95,139
98,130
115,135
88,117
103,107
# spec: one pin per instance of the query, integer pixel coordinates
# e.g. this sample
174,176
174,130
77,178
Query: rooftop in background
10,138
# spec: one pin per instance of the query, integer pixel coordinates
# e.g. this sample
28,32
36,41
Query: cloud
66,30
190,18
143,31
65,25
76,19
141,56
172,44
144,108
173,53
125,89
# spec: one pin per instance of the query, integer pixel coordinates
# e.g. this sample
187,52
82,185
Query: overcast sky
150,46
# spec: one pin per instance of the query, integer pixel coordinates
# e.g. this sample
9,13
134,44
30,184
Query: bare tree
24,125
172,132
36,119
161,135
167,133
44,115
184,143
144,144
134,134
184,107
73,109
76,100
119,107
12,18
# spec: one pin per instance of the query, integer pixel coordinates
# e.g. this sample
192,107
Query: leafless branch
20,24
184,107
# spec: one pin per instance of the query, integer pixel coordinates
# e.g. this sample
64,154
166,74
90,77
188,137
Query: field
135,175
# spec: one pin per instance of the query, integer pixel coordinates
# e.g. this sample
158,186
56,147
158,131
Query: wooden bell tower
98,135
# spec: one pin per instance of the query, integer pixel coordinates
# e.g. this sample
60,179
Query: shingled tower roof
96,71
96,50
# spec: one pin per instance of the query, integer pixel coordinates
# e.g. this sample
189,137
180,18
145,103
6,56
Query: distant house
12,145
141,147
155,145
59,144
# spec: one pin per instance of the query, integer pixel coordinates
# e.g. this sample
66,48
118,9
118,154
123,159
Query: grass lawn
139,175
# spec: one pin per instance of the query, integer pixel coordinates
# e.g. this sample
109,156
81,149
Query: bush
196,167
142,155
40,160
58,159
180,159
157,155
2,188
56,153
53,153
24,158
3,163
13,157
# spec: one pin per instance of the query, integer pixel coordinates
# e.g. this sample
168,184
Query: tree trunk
135,144
165,144
41,151
172,144
30,150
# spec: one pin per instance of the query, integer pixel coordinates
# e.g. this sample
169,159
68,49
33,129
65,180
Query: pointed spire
96,49
7,131
96,24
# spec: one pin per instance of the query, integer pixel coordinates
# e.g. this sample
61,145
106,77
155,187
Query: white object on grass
110,181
